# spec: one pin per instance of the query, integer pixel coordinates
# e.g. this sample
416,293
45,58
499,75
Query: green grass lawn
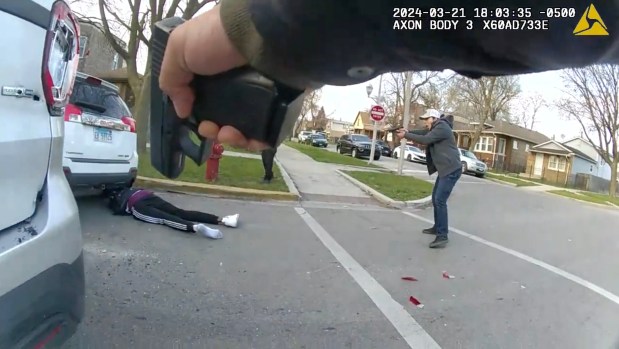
402,188
584,197
512,180
239,150
234,171
324,155
601,197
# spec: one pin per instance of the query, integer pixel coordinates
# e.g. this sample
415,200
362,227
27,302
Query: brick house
96,53
502,145
563,163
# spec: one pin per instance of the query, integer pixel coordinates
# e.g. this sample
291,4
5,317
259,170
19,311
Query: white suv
41,259
100,147
471,164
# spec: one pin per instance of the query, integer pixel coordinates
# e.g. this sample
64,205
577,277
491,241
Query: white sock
231,221
208,232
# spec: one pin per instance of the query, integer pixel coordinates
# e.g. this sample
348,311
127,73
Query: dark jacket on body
122,201
442,154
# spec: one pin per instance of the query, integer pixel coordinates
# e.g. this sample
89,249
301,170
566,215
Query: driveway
326,275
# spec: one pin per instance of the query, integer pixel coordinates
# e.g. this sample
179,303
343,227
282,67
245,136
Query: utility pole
406,119
380,85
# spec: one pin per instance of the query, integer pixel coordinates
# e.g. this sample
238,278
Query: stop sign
377,113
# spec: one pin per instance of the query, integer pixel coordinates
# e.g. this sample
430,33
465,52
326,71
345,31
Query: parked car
41,256
303,136
357,145
317,140
470,164
100,146
411,153
385,150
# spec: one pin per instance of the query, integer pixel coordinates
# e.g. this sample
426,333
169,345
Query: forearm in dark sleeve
308,43
437,134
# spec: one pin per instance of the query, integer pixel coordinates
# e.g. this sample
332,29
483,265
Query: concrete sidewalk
316,180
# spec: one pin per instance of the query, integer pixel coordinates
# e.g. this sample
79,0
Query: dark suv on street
357,145
386,151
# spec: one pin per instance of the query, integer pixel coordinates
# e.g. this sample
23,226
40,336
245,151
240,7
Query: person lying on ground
148,207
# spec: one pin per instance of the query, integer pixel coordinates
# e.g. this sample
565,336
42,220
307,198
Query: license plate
102,135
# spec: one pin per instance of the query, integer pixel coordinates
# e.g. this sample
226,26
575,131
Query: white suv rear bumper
100,173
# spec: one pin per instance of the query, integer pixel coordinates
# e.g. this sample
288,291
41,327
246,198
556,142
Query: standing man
268,157
442,156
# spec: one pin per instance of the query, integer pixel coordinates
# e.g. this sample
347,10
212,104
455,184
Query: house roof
565,150
505,128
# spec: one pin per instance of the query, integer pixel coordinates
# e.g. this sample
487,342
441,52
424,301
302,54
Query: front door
539,164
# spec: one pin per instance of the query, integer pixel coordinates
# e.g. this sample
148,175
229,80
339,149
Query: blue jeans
440,193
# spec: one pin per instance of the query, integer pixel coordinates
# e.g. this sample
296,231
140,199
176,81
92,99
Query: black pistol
259,107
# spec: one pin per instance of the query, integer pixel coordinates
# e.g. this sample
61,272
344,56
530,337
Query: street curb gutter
420,203
164,184
287,179
501,182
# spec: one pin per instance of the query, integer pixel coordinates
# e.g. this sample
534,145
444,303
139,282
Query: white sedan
411,153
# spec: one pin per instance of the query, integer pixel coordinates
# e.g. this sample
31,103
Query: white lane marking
409,329
567,275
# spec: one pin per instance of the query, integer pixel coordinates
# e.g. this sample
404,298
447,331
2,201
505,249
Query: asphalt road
329,276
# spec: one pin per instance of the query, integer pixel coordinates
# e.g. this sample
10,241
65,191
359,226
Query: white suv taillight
72,113
60,58
129,121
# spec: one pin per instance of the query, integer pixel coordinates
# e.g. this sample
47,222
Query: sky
344,102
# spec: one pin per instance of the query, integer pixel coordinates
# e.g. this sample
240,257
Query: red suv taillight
130,122
60,57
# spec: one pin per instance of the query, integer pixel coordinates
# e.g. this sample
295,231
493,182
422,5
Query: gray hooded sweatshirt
442,154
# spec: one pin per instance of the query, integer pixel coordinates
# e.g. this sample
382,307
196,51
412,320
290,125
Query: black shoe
431,231
439,242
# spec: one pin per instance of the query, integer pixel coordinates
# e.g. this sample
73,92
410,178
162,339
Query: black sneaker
431,231
439,242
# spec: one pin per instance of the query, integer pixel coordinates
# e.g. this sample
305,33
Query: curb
164,184
501,182
419,203
287,179
609,206
363,168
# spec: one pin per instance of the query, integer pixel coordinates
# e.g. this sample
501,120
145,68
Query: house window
562,164
526,147
557,163
485,144
515,143
83,45
501,146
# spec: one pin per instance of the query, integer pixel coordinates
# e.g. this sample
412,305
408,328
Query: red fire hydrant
212,163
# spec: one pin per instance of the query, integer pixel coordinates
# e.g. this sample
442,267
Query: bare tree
309,109
435,93
526,109
593,100
319,122
137,19
393,93
482,100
